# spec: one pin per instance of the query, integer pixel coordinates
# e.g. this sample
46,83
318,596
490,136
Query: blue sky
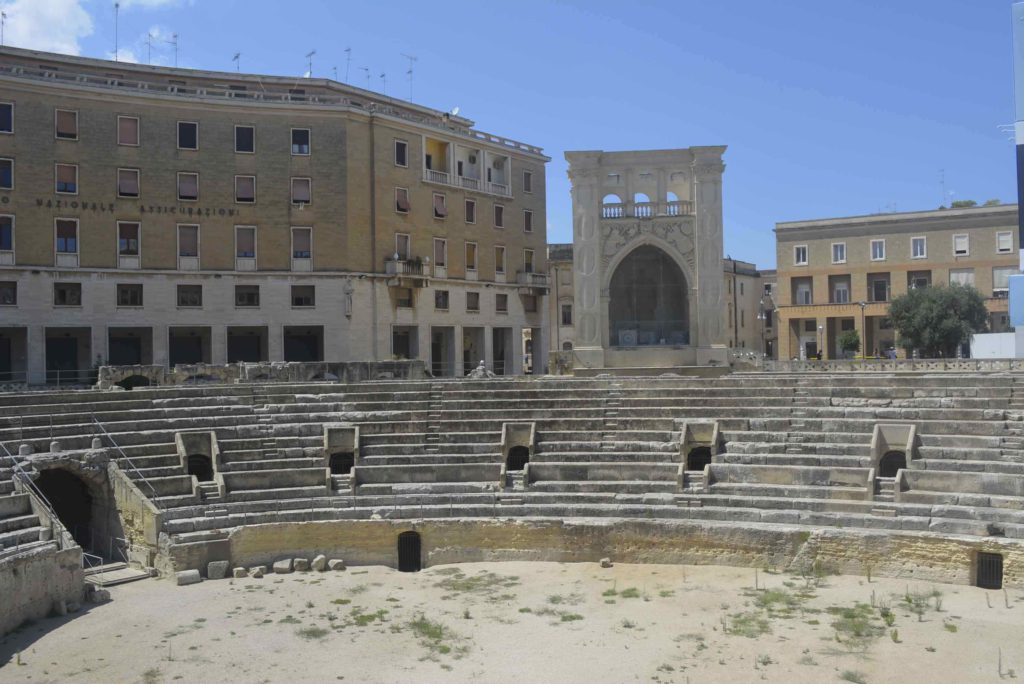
828,108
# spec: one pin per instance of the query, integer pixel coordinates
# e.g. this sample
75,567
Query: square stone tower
647,257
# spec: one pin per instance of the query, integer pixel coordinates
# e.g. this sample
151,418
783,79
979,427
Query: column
275,342
218,345
457,346
589,319
708,169
98,342
36,352
489,347
160,357
517,350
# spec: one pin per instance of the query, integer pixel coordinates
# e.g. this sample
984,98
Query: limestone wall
33,581
917,556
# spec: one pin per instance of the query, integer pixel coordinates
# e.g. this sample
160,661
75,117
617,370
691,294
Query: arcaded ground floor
531,622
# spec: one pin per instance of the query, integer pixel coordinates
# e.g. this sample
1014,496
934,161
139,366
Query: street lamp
821,334
863,331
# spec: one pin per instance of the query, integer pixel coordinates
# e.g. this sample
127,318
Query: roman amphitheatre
364,521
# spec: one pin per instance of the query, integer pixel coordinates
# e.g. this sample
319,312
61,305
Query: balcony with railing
406,272
532,283
645,210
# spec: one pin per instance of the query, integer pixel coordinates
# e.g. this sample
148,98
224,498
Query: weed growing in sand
853,676
151,676
311,633
628,624
486,583
950,627
630,593
750,625
289,620
362,619
341,602
855,626
437,639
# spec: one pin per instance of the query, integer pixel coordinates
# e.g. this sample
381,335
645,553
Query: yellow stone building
154,215
840,274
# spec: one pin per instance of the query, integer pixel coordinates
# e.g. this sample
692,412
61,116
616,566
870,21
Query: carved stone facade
669,200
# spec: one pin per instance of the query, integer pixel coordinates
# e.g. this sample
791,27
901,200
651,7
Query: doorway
71,501
409,545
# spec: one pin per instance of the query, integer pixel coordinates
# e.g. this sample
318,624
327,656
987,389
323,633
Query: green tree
963,204
992,203
936,320
849,341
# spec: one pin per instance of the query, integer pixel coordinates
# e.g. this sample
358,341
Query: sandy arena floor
530,622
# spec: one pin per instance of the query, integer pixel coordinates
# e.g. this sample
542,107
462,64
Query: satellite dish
455,111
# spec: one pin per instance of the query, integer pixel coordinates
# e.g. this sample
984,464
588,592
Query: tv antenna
149,47
237,59
348,61
334,69
3,25
366,70
309,59
412,60
384,81
174,41
117,12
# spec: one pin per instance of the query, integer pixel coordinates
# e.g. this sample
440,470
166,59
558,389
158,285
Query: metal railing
14,377
445,178
72,377
128,460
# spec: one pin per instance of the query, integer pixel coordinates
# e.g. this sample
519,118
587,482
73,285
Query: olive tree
936,320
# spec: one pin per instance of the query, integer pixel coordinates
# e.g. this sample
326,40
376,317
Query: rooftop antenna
117,11
149,48
367,71
309,58
412,59
335,70
237,59
174,41
384,80
3,25
348,61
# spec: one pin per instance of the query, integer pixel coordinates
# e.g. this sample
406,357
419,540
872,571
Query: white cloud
51,25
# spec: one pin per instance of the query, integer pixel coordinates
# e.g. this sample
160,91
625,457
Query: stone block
606,562
60,608
217,569
335,564
73,606
187,577
319,563
238,573
258,571
99,596
283,567
300,564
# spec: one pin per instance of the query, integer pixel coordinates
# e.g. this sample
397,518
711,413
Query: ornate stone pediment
620,236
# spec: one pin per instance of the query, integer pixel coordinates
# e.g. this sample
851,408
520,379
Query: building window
841,293
800,255
838,252
440,206
247,295
528,260
499,216
401,153
402,248
1004,242
961,276
188,135
918,247
300,141
473,302
403,297
804,296
67,236
878,250
245,242
7,174
245,189
6,117
302,243
128,131
66,124
188,186
303,296
67,294
245,139
767,289
402,200
471,256
8,293
501,303
440,252
499,260
188,241
302,191
961,245
129,295
741,288
67,179
528,221
566,314
470,211
530,304
190,296
441,300
127,182
1001,279
527,181
6,233
127,239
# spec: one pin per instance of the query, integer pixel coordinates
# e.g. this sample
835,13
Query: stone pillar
275,342
36,367
708,169
458,346
160,351
98,344
489,347
218,345
517,350
589,320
